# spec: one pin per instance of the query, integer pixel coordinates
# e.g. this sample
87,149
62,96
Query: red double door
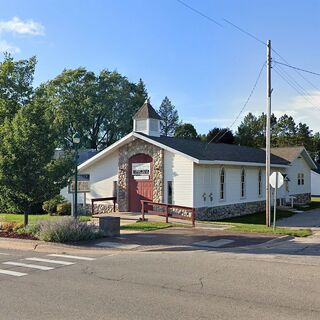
140,186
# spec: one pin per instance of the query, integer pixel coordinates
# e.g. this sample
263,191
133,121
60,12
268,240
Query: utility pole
268,134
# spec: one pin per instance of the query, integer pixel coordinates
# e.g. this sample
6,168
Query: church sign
141,169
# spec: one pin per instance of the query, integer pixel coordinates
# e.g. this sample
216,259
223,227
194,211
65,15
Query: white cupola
147,120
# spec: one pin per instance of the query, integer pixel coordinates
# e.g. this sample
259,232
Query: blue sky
206,70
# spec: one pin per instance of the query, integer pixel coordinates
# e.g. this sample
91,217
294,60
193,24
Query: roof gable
292,153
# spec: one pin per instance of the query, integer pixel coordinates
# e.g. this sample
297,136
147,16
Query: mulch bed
12,234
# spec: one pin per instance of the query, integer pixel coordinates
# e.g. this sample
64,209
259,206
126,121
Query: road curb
42,246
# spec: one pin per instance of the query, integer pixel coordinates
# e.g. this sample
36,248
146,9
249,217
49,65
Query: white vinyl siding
207,185
179,170
299,166
103,175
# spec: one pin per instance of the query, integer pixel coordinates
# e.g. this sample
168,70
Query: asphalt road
160,285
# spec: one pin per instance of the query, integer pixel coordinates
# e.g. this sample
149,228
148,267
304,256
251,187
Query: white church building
218,180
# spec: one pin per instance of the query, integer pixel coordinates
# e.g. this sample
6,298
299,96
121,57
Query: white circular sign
273,179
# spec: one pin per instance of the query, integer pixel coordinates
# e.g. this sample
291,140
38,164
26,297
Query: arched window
243,183
260,182
222,183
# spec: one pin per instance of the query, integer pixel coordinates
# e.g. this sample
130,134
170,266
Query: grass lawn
150,226
33,218
256,223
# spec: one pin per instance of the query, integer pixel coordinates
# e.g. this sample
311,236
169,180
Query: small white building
218,180
315,182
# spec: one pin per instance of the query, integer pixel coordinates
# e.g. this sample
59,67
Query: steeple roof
147,112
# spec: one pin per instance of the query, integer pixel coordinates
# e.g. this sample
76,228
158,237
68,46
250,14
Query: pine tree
170,117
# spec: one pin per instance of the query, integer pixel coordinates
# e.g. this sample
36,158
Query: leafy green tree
28,175
16,78
186,131
100,107
170,117
220,135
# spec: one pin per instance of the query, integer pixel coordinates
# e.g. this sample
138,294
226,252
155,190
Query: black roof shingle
217,151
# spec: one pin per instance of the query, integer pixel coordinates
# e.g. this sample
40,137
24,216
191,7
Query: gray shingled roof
217,151
288,153
146,111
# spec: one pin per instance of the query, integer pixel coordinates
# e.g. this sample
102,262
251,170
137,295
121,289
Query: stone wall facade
302,198
230,210
125,153
241,209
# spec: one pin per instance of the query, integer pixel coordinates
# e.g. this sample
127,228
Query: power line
296,68
296,71
294,87
242,109
244,31
200,13
292,79
219,24
253,37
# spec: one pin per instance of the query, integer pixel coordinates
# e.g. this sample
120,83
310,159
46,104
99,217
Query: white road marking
213,244
117,245
71,257
66,263
26,265
12,273
5,254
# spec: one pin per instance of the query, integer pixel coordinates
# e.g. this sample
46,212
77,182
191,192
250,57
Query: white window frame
300,179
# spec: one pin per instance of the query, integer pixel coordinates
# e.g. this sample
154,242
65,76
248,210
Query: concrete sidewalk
304,219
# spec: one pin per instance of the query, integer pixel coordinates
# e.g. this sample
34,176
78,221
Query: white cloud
28,27
304,109
7,47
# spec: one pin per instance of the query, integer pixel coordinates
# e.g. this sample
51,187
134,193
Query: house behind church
218,180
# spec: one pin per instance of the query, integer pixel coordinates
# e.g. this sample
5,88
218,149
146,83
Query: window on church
222,184
260,182
170,192
300,179
243,183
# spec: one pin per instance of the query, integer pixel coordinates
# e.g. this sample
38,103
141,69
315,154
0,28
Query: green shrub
64,209
65,230
50,206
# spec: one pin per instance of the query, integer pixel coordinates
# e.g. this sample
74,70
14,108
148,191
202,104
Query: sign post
276,181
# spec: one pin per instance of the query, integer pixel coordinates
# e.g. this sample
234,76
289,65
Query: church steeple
147,120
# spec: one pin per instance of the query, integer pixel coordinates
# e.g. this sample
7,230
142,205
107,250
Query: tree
220,135
186,131
28,175
170,117
16,78
251,131
100,107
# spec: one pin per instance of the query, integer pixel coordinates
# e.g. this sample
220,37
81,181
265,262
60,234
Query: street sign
273,180
83,183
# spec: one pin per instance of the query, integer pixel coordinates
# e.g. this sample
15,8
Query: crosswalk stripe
66,263
12,273
26,265
71,257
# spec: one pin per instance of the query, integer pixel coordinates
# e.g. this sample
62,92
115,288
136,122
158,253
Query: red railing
114,199
166,213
